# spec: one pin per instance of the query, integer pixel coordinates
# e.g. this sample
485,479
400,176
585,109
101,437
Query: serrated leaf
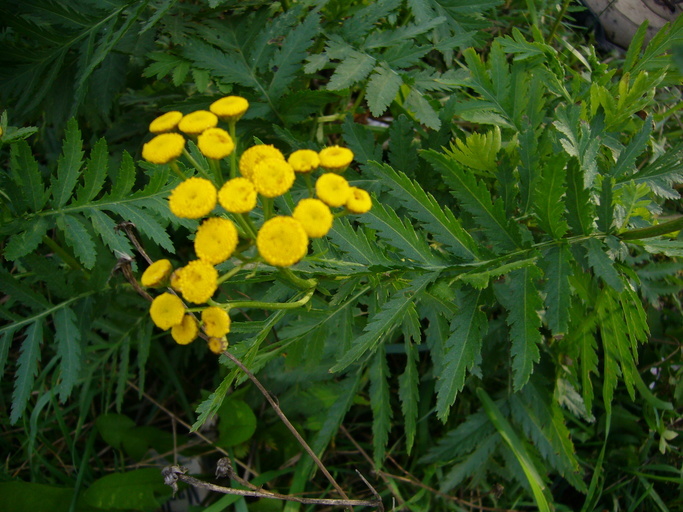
580,209
68,165
382,88
144,222
361,141
557,268
408,393
548,201
462,348
605,209
125,178
68,340
365,18
579,141
231,67
96,170
6,339
417,104
627,158
25,242
25,170
16,290
479,279
662,173
471,463
602,264
104,227
354,68
402,146
78,238
380,403
27,369
478,151
357,245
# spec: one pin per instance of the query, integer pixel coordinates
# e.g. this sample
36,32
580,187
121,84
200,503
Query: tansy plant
241,221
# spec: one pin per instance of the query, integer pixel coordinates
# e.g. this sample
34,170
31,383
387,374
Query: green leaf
380,402
68,166
26,171
68,339
365,18
357,245
355,67
16,290
471,463
602,264
237,423
479,279
382,88
231,67
402,148
580,209
361,141
144,222
25,242
18,496
556,263
104,227
462,348
27,369
408,393
423,111
662,173
78,237
478,151
605,209
579,141
548,201
125,178
627,158
96,170
139,489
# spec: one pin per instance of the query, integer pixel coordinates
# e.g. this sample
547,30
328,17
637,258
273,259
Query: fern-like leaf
78,238
548,202
68,166
382,88
27,369
556,262
380,403
26,172
68,339
354,68
602,265
408,392
357,245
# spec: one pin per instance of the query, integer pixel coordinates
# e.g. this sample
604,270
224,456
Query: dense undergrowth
501,331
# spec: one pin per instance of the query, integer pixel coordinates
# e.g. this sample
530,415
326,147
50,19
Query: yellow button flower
193,198
166,122
254,155
166,311
196,122
216,322
304,160
215,143
238,195
216,240
217,345
332,189
163,148
157,273
185,332
315,216
272,177
335,158
282,241
359,201
197,281
230,108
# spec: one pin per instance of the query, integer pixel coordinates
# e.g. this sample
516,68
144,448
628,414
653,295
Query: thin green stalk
652,231
267,204
215,166
309,184
196,165
231,273
233,156
255,304
61,252
297,281
176,169
558,20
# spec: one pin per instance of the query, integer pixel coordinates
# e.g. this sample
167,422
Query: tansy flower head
217,345
156,273
216,322
282,241
185,332
165,122
335,158
196,122
193,198
304,160
215,240
163,148
272,177
254,155
197,281
215,143
359,201
332,189
237,195
166,311
315,216
230,108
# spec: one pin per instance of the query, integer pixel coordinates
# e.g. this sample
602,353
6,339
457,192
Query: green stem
309,184
269,305
61,252
215,166
231,273
196,165
651,231
176,169
233,156
267,204
297,281
563,11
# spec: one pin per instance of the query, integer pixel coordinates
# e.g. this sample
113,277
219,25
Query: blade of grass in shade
508,434
595,489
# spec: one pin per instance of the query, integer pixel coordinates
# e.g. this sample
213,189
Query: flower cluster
230,229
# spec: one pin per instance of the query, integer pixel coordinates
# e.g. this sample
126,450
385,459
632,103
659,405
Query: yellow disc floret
166,311
193,198
198,121
216,240
216,322
272,177
315,216
197,281
238,195
304,160
230,108
359,201
282,241
332,189
166,122
163,148
335,158
215,143
157,273
185,332
254,155
217,345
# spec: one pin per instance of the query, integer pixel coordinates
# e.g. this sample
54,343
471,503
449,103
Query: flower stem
269,305
309,184
66,257
267,204
196,165
176,169
233,155
652,231
297,281
216,170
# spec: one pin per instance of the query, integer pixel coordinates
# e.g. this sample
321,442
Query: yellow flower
185,332
254,155
163,148
174,281
217,345
215,240
193,198
230,108
359,201
237,195
282,241
332,189
156,273
304,160
335,158
216,322
315,216
165,122
198,281
215,143
166,311
196,122
272,177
